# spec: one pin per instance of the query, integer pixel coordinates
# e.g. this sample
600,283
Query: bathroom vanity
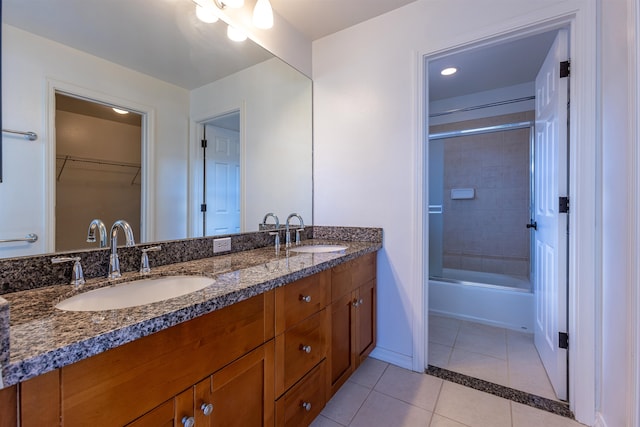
268,343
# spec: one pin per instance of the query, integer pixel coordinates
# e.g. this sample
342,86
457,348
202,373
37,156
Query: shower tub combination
491,298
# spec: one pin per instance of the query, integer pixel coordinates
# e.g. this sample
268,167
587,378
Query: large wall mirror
186,81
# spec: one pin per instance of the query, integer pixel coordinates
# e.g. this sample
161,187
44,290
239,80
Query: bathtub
496,304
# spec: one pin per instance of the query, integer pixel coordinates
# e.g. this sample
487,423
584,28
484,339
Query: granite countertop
43,338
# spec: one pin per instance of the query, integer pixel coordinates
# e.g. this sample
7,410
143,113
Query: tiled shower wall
487,233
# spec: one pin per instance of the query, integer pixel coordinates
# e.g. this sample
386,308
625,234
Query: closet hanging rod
477,107
31,136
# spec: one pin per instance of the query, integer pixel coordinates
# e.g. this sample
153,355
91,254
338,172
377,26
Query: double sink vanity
260,338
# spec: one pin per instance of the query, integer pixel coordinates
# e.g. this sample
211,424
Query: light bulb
119,110
449,71
234,4
235,34
206,14
263,14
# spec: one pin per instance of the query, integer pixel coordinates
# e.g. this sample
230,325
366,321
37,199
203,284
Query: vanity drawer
299,300
302,404
299,349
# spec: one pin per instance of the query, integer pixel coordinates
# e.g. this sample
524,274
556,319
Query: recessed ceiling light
120,111
449,71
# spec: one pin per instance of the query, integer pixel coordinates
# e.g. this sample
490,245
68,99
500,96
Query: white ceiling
168,42
319,18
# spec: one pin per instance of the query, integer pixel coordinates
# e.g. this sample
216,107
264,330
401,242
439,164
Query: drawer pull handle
305,348
207,408
305,298
188,421
306,406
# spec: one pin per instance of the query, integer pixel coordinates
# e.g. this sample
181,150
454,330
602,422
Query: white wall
366,170
617,286
29,63
276,120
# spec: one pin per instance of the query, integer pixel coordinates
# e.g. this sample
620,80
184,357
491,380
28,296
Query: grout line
538,402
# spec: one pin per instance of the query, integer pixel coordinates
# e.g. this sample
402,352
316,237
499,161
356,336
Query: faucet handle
77,277
144,261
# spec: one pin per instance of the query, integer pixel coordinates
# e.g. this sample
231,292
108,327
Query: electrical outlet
221,245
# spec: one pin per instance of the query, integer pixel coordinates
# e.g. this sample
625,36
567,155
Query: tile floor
497,355
383,395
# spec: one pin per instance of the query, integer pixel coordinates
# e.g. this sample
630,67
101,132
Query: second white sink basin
318,248
134,293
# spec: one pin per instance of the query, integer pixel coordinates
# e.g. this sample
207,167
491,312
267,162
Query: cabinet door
243,391
365,316
162,416
342,358
9,406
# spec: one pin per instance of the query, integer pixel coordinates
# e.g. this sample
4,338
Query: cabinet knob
305,298
305,348
355,303
306,406
188,421
360,301
207,408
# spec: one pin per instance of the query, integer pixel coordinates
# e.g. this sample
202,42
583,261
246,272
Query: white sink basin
134,293
318,248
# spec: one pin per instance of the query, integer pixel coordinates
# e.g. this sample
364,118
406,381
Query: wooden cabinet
273,359
353,318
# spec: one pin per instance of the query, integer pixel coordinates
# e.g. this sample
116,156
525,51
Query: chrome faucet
275,217
91,233
114,263
298,230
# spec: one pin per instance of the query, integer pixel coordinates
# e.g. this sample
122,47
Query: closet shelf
67,158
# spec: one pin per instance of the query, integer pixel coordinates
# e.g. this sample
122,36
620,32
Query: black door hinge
565,69
203,143
563,340
203,207
563,205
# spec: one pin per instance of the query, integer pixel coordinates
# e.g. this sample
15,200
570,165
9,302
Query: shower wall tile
488,232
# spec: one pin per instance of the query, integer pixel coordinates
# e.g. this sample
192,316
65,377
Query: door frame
585,176
194,195
147,187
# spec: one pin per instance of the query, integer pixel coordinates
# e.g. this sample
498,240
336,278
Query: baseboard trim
397,359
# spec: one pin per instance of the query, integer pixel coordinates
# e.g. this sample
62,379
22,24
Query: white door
223,181
550,239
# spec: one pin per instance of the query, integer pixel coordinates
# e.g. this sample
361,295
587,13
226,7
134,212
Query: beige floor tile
482,339
369,372
417,389
321,421
530,377
472,407
440,421
526,416
481,366
344,405
380,410
443,330
439,354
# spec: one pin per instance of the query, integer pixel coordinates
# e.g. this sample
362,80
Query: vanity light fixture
263,15
120,110
235,34
449,71
233,4
206,14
